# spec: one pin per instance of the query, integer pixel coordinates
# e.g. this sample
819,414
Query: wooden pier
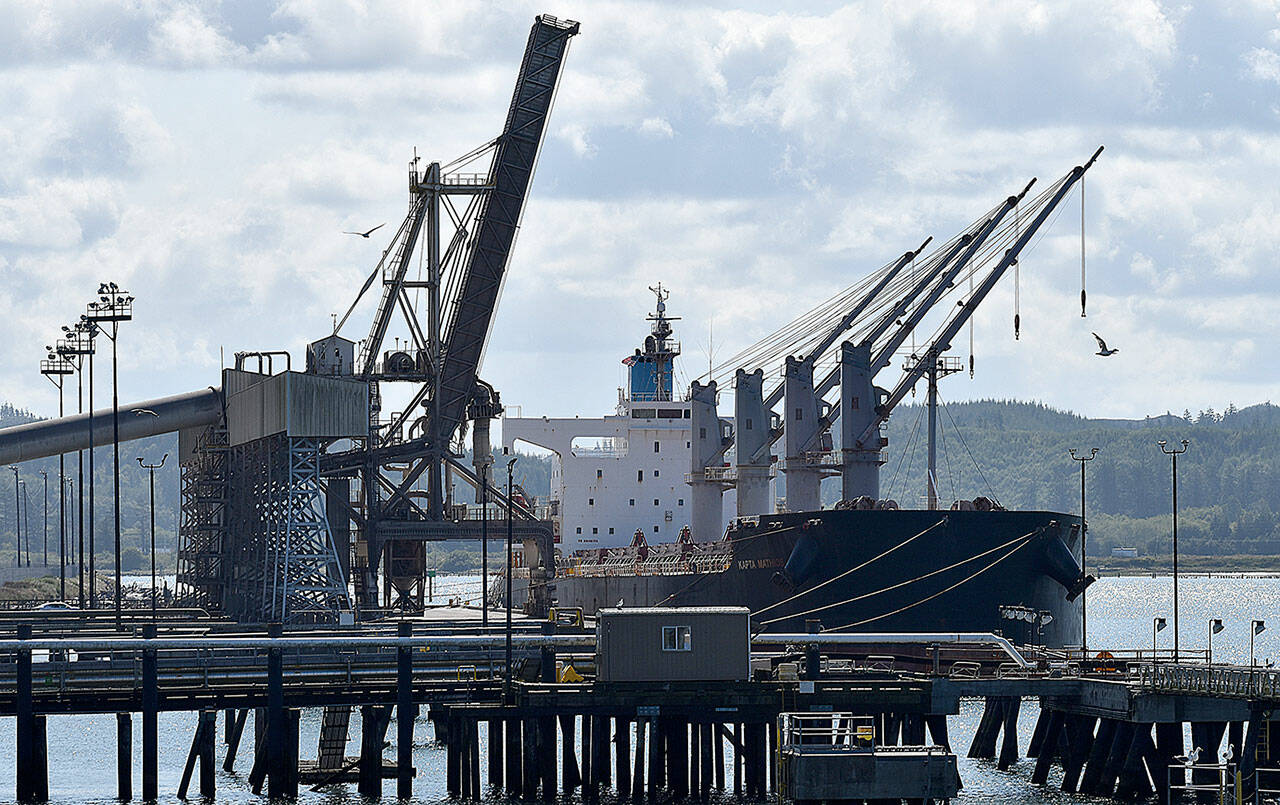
1114,732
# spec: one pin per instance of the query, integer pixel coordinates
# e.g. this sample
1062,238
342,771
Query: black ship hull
1016,573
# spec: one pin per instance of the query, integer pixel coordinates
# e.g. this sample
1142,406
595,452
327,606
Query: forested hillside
1017,452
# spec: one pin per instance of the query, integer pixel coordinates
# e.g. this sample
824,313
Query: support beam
405,713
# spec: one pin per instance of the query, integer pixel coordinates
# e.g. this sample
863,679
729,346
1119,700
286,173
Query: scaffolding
202,530
284,567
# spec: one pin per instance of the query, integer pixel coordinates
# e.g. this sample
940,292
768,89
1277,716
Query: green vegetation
1017,452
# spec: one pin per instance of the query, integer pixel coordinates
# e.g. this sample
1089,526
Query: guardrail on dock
1214,680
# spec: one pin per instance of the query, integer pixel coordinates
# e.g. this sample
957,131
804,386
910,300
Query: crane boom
852,316
513,165
943,342
885,354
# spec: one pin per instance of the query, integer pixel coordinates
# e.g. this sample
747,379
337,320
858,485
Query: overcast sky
208,156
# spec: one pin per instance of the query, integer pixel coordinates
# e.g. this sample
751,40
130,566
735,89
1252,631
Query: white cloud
210,154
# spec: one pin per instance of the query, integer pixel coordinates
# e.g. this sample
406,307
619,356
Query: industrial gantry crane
463,225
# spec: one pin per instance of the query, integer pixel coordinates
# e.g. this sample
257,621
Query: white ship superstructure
615,475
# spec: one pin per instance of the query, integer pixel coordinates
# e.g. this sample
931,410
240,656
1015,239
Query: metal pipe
864,638
330,642
53,437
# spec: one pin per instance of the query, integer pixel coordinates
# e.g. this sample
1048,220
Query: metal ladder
334,729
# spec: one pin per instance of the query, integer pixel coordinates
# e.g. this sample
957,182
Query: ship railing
712,474
465,179
821,457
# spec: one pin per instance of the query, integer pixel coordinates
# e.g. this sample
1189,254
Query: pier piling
1009,726
493,736
569,774
150,720
124,756
637,771
25,787
405,713
622,757
512,755
1048,748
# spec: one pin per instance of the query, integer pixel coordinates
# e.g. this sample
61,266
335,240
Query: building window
799,414
655,501
579,529
655,529
748,423
610,530
677,638
680,502
655,473
633,501
655,447
639,476
595,530
591,501
688,445
702,433
599,474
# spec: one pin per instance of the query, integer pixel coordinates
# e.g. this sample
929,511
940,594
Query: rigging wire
902,457
956,428
863,596
1082,297
845,574
1017,281
941,592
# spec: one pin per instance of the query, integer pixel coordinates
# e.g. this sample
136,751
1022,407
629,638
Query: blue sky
207,156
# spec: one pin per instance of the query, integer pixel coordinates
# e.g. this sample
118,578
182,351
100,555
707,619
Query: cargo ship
631,529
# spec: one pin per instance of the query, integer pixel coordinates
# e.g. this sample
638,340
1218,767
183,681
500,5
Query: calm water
82,749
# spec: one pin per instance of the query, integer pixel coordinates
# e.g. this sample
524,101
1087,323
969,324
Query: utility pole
17,516
45,475
1084,530
1173,453
114,305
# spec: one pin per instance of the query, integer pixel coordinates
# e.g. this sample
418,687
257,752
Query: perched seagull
367,234
1102,347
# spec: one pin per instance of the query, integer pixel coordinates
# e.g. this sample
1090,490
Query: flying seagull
1102,347
370,232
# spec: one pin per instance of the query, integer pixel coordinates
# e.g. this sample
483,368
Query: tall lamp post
511,468
56,368
88,330
151,471
44,474
75,344
26,522
114,305
1084,533
17,516
1173,453
1255,628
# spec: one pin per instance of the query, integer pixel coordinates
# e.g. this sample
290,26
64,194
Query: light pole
90,331
44,474
114,305
1255,628
26,522
1084,532
17,516
511,467
1157,625
151,471
75,344
1215,626
1173,453
56,368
